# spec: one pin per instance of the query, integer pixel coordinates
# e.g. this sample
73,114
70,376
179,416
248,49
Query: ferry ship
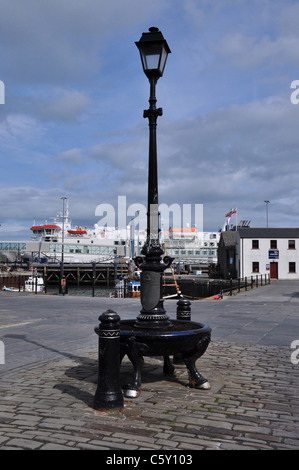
60,241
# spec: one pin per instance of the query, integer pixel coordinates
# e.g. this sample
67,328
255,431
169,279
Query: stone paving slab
253,405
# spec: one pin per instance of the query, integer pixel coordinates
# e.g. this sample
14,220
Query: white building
273,251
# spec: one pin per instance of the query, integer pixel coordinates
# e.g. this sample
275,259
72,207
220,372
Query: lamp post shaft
152,314
152,202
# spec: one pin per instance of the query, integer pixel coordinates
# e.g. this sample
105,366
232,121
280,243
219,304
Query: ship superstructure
50,242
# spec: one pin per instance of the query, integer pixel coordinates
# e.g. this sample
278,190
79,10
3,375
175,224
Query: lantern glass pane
163,59
152,61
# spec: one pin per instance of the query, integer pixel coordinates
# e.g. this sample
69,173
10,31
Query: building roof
268,232
229,238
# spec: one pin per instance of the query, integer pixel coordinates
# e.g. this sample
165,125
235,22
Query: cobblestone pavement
49,378
253,404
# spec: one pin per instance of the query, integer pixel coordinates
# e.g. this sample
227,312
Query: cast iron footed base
189,339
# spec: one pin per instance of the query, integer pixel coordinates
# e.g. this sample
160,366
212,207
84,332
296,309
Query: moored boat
11,289
34,284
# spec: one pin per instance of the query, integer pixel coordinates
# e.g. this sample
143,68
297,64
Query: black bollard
183,312
109,394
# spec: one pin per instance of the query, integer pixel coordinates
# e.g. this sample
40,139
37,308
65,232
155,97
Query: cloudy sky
72,122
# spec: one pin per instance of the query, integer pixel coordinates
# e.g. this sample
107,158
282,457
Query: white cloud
250,52
71,156
65,105
17,131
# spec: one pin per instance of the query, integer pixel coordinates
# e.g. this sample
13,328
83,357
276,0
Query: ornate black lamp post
152,333
153,52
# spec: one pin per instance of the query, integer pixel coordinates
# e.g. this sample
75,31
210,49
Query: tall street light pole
267,203
63,198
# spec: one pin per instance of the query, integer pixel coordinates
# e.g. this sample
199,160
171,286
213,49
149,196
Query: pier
75,274
84,274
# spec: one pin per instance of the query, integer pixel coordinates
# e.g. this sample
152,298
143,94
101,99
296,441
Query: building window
255,267
255,244
273,244
292,267
291,244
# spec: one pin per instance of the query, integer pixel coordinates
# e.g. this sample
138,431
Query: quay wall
191,286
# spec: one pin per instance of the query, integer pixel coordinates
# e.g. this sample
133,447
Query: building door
273,270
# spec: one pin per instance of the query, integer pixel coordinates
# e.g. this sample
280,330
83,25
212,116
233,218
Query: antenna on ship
66,213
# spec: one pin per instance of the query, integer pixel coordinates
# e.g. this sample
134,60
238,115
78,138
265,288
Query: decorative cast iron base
188,338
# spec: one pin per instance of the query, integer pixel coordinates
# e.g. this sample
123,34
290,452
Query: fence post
245,283
230,287
93,277
46,279
209,288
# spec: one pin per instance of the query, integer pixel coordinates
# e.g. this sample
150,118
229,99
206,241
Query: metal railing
200,288
232,285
